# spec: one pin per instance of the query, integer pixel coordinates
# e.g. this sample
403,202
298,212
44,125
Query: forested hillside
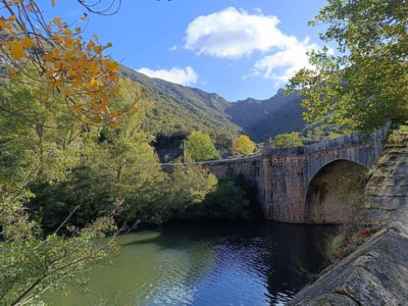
179,109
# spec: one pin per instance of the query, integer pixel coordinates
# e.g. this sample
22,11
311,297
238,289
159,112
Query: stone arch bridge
310,184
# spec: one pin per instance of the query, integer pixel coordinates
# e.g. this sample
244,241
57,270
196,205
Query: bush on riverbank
230,200
189,193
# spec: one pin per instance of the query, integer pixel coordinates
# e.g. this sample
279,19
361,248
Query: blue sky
236,48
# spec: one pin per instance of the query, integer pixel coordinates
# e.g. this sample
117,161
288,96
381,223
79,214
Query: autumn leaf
112,66
70,67
93,83
69,42
27,42
16,50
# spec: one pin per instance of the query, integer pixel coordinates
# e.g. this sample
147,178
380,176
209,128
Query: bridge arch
335,192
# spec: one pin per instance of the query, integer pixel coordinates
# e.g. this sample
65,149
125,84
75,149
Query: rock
375,274
332,299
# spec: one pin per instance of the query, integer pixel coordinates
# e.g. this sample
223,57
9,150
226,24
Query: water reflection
211,264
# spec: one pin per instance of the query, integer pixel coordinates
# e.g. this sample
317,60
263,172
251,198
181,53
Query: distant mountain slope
263,119
180,109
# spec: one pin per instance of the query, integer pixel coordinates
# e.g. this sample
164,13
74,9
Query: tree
243,145
189,186
54,85
57,58
116,165
200,147
364,84
39,145
288,140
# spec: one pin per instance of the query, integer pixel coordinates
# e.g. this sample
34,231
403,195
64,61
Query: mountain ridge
193,108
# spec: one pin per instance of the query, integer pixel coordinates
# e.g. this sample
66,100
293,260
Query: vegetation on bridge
200,147
288,140
243,145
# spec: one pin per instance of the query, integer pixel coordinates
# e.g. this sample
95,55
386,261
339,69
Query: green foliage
225,200
229,202
36,140
365,84
188,187
39,146
288,140
118,171
178,109
399,136
320,131
65,184
83,192
30,265
200,147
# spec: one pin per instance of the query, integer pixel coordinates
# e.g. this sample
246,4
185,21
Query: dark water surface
206,264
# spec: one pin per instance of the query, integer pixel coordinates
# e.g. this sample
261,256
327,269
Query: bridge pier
283,181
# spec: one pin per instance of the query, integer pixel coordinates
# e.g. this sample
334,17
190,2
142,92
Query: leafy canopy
49,79
365,83
243,145
64,64
200,147
288,140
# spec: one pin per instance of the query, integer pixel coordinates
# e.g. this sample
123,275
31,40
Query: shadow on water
285,256
209,264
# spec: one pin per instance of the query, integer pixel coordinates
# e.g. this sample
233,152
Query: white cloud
182,76
233,33
283,64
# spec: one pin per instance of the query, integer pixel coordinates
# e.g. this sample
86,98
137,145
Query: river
205,264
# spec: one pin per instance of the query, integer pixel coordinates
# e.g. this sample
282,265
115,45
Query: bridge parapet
249,167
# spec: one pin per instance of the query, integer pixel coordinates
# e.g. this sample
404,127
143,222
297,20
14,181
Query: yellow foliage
243,145
69,66
16,49
27,42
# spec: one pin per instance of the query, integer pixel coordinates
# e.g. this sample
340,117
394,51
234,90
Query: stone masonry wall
250,168
283,177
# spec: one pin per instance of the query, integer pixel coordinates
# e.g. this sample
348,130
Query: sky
235,48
